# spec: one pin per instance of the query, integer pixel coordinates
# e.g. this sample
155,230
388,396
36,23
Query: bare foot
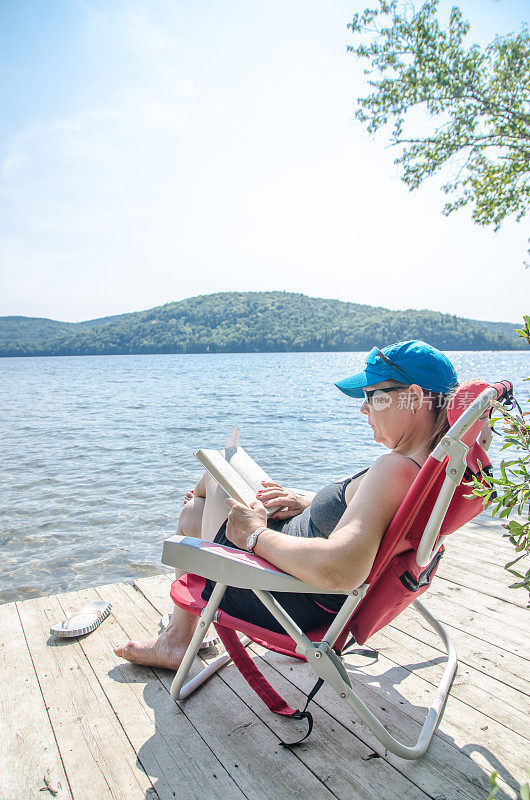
160,652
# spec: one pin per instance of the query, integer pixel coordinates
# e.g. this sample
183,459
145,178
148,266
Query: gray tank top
322,516
324,513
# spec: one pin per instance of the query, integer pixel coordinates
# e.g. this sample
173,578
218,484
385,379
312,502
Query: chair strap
348,650
258,682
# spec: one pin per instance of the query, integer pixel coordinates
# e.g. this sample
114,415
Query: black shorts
309,611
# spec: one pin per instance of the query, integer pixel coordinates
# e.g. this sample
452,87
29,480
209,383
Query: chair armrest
231,566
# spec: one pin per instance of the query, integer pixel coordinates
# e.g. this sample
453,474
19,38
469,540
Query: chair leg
206,618
178,693
327,665
180,690
213,667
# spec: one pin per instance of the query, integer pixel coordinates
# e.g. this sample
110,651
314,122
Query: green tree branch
482,94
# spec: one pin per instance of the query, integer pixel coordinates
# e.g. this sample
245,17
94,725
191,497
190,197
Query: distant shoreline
245,353
251,322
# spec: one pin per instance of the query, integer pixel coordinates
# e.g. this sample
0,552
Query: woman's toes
152,653
125,650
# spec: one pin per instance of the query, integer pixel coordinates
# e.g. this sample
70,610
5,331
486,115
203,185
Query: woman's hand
290,502
242,521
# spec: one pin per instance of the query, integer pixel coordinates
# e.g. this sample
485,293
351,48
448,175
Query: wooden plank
478,624
484,525
329,764
249,750
29,758
466,727
487,552
494,586
485,544
477,689
459,557
335,753
482,539
483,555
156,592
496,609
485,656
488,587
339,758
98,759
454,764
166,744
489,564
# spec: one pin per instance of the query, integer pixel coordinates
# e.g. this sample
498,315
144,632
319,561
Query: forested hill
231,322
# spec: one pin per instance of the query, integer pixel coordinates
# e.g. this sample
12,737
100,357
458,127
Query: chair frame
204,559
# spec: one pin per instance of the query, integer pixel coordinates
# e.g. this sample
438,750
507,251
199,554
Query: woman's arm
344,560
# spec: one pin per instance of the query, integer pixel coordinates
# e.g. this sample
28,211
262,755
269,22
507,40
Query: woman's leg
190,520
168,649
203,515
190,523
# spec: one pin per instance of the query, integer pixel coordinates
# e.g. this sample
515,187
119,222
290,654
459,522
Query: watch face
252,539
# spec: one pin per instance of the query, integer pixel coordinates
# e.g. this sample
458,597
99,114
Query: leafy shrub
509,493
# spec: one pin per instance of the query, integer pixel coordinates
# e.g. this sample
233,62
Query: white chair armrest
231,566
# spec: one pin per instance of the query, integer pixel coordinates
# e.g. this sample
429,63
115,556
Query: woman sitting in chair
329,539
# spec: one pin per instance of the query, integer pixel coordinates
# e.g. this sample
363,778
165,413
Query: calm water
96,452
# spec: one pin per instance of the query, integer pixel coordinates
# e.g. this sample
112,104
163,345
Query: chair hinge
457,452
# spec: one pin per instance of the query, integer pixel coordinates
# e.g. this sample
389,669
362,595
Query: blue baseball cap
407,362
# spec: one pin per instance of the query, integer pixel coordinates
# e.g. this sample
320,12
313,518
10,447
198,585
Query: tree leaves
479,99
229,322
509,493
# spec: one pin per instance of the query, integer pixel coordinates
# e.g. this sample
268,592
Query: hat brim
354,385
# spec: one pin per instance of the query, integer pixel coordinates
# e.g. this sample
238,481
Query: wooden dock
79,723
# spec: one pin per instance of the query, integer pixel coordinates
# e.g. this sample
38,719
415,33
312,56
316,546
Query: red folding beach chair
435,506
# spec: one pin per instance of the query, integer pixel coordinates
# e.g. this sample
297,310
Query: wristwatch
253,538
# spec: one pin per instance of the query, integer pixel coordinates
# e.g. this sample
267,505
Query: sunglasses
376,353
370,393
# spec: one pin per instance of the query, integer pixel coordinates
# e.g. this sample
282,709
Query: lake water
97,452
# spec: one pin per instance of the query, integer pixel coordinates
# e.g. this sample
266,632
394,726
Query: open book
236,472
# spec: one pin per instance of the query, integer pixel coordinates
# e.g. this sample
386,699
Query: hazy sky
153,150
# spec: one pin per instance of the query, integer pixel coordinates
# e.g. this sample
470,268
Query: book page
237,473
250,471
226,476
